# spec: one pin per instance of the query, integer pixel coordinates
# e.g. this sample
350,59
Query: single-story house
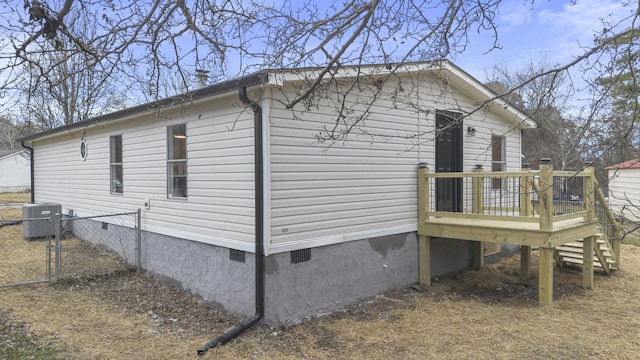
237,190
624,189
15,171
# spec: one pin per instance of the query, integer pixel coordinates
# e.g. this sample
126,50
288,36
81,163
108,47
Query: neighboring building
15,171
337,220
624,189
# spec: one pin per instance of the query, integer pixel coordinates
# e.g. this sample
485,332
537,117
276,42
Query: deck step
568,255
571,253
578,251
580,262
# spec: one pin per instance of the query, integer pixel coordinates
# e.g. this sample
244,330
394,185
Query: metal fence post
48,236
139,239
58,225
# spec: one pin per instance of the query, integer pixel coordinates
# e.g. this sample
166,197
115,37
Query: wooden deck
518,223
509,232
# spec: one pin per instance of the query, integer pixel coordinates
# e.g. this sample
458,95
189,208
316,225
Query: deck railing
544,196
611,228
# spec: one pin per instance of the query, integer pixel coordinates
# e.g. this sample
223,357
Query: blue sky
550,29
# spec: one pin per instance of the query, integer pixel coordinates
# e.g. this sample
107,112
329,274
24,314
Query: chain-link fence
49,246
26,259
99,245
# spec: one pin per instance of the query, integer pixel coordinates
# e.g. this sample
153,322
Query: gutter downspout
259,229
33,195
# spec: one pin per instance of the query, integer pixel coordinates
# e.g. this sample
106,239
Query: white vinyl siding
220,206
318,193
624,192
15,173
324,193
331,192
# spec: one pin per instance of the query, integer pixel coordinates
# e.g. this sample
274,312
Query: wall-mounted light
471,131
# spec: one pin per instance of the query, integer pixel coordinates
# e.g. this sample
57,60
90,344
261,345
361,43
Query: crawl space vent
236,255
302,255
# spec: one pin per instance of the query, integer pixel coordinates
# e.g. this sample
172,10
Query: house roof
7,153
629,164
202,93
446,71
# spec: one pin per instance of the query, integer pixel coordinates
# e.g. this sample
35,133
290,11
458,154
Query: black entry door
448,159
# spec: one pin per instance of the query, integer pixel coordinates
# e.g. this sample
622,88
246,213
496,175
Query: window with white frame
498,158
115,164
177,161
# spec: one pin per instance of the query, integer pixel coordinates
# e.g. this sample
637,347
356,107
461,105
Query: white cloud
585,18
573,26
550,29
516,16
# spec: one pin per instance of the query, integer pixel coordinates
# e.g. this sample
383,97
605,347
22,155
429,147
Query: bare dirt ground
102,309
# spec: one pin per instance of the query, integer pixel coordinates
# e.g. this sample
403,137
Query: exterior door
448,159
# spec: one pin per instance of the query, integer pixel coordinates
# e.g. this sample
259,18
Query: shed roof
629,164
6,153
450,72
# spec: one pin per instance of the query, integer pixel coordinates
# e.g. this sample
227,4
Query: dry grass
15,198
22,260
112,312
10,214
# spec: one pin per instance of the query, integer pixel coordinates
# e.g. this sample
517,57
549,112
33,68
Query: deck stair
571,254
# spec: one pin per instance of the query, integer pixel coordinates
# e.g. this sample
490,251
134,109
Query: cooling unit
40,228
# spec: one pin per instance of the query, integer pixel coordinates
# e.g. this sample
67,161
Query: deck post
423,193
545,281
616,246
587,262
546,194
589,242
424,260
525,262
526,209
589,191
478,208
545,277
424,242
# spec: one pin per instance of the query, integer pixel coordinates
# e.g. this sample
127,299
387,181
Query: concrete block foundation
324,280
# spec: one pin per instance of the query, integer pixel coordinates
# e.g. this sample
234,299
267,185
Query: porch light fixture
471,131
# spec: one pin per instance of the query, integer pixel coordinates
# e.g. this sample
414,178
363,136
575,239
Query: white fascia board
205,239
468,84
280,77
341,238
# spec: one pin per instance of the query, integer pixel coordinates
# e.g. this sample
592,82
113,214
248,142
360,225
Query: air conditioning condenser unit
34,226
